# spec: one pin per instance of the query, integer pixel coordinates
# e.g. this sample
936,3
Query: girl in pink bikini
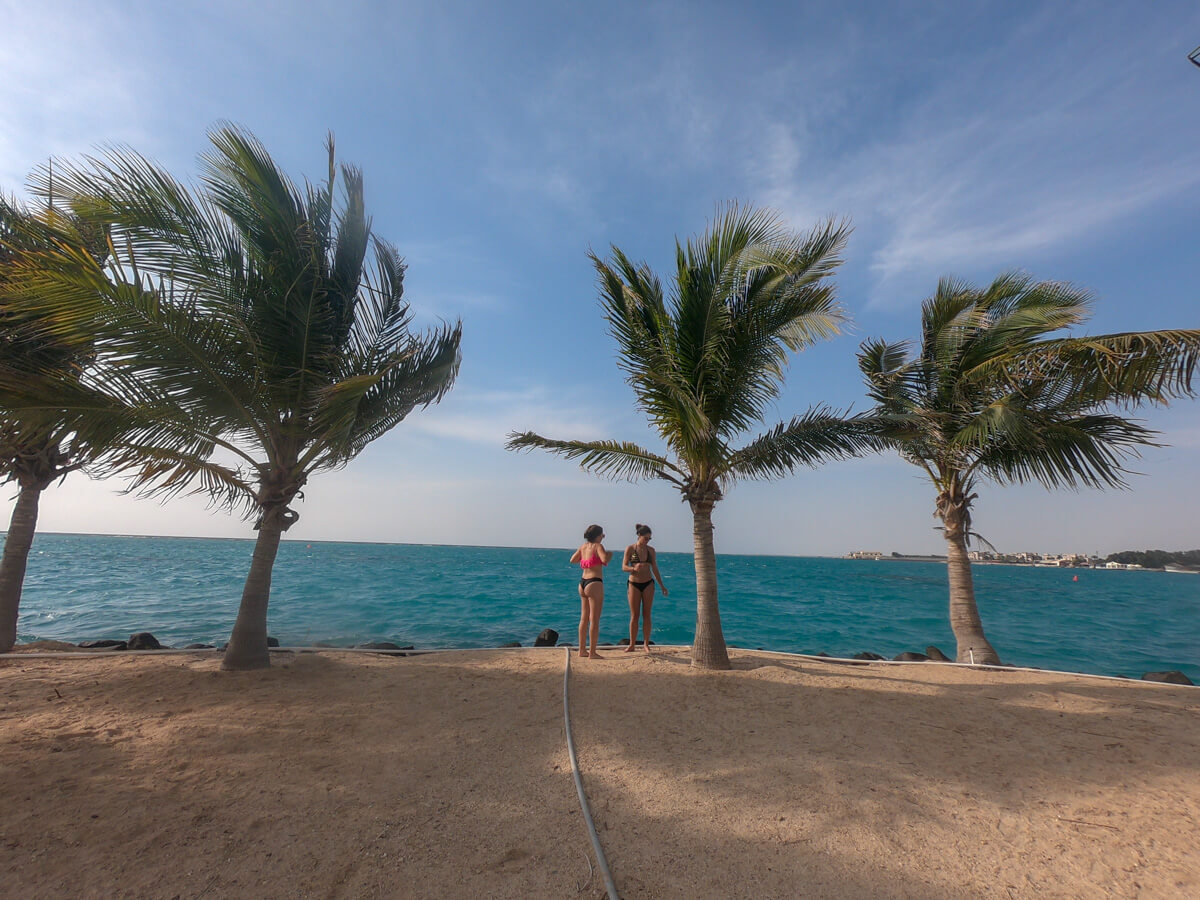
592,557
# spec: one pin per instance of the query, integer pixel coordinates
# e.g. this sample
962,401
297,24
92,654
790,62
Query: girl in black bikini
641,562
592,557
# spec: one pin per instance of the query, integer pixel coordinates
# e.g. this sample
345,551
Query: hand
666,593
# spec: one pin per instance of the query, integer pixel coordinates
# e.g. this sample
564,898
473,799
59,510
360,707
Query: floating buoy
1074,577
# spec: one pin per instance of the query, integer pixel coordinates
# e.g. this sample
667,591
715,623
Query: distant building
865,554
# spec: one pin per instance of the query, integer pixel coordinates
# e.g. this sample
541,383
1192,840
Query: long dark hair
592,533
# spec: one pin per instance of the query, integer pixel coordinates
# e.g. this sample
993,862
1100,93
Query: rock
44,645
909,656
378,645
272,642
511,644
323,645
1172,677
198,647
823,653
867,654
936,655
143,640
548,638
103,645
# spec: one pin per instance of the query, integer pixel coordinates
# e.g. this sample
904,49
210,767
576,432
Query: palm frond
1128,369
1088,451
819,435
618,460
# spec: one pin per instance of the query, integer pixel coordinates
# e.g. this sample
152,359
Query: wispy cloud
488,417
1000,164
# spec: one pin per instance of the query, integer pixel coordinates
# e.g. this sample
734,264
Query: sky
502,142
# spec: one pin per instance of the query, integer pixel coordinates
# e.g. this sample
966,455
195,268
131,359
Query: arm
576,555
625,566
605,555
654,568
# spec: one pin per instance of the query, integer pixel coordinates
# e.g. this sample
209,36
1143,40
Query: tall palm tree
268,314
989,395
705,362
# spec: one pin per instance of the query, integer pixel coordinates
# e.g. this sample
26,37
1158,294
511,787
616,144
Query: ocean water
187,589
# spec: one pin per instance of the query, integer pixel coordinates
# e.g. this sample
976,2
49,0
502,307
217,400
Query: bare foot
646,648
582,652
630,648
595,655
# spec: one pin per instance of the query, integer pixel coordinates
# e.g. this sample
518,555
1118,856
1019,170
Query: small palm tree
254,307
989,396
705,363
51,422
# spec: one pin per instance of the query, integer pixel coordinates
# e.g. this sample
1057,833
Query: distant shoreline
903,557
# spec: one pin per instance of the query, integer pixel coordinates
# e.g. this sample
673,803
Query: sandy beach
355,775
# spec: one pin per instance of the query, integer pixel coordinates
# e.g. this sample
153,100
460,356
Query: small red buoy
1074,577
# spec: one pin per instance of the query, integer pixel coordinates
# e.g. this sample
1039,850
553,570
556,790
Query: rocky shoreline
144,640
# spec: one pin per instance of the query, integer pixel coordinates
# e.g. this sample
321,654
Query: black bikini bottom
584,582
641,585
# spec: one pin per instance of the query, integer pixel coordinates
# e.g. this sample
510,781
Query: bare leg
595,604
647,603
635,602
583,622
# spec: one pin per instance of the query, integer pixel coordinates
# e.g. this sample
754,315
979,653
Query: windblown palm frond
609,459
819,435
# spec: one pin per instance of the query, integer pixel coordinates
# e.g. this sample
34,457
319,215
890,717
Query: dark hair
642,529
593,533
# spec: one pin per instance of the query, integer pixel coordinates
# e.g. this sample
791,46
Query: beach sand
353,775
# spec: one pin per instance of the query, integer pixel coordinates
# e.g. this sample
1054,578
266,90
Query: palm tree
51,422
705,363
989,396
256,308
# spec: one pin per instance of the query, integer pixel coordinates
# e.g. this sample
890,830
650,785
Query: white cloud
487,417
997,165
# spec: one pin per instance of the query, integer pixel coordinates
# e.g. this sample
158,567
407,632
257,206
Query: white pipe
609,885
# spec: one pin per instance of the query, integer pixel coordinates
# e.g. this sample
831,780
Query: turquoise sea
187,589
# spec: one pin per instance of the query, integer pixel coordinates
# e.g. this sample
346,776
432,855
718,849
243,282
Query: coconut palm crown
990,395
269,316
706,359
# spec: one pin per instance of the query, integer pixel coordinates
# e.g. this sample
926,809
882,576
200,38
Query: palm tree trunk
248,644
964,614
708,647
12,567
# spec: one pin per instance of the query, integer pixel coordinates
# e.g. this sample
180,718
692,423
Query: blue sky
501,141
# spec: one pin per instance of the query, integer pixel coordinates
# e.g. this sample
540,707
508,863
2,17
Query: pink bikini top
589,563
